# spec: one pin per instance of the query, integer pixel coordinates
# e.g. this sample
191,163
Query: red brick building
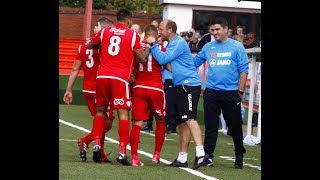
71,20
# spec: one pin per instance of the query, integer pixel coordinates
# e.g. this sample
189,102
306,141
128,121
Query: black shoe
123,160
207,163
147,129
83,155
83,149
173,132
199,160
238,164
229,132
176,163
97,154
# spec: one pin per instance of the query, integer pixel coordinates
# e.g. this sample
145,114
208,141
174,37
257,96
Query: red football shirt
90,62
118,43
148,73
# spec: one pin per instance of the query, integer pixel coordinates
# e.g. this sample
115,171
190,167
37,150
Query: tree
149,6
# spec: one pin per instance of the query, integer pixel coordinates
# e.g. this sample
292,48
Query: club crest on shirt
118,101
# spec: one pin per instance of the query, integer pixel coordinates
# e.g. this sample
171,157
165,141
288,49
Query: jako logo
190,102
214,62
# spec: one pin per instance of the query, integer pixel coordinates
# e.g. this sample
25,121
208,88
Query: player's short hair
171,25
220,20
123,14
104,21
149,28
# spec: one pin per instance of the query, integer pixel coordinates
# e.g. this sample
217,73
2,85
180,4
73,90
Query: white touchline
192,171
74,140
151,134
229,158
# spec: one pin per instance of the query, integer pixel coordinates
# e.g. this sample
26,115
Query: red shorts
91,103
146,99
113,91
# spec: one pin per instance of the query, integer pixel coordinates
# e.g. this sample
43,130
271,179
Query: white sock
223,122
183,157
199,151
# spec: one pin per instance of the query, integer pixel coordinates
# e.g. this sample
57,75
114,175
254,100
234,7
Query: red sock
160,135
106,129
98,126
102,146
124,135
88,138
134,139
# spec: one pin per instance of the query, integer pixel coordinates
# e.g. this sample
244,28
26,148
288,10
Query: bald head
105,22
136,27
155,23
167,29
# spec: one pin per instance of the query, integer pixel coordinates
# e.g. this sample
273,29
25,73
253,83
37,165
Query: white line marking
230,158
77,140
192,171
67,140
151,134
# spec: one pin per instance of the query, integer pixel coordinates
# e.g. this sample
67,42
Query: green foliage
148,6
72,3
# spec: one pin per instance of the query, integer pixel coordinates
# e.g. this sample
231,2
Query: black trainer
170,131
83,149
147,129
176,163
207,163
83,155
238,164
97,154
123,160
199,160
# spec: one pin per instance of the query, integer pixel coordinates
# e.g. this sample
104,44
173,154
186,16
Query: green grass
71,166
77,87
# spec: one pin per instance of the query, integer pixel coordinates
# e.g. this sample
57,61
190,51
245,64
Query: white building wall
181,11
180,14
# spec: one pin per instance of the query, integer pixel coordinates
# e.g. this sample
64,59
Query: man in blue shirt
226,77
188,87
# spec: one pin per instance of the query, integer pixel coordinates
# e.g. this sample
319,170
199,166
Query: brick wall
71,20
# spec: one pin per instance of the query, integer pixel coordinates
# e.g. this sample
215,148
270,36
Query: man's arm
92,45
147,51
168,67
141,54
242,83
243,66
67,98
200,58
173,50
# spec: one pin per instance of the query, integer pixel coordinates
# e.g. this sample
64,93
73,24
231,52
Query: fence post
254,52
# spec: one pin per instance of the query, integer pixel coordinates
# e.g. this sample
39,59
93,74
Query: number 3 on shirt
90,61
114,47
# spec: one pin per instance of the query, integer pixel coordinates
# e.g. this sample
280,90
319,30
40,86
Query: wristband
153,43
240,92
